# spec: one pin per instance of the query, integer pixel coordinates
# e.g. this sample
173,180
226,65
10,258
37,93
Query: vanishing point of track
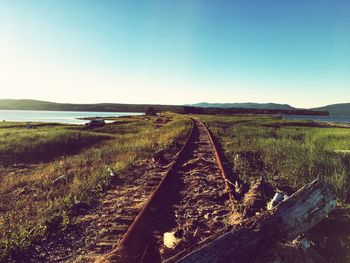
191,202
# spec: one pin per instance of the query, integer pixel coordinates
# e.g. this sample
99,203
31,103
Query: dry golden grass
30,201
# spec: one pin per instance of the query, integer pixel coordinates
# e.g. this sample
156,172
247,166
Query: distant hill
247,105
249,108
8,104
342,109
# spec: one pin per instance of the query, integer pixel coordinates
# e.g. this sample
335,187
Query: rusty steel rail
219,162
143,211
127,236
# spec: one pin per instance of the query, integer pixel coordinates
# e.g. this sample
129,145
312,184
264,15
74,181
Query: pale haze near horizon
177,52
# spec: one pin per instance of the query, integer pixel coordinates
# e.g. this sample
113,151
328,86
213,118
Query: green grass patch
285,152
30,204
42,143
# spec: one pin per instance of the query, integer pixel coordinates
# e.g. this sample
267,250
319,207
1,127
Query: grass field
43,143
285,152
293,153
31,160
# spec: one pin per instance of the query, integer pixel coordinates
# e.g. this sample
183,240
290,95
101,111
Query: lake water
342,119
69,117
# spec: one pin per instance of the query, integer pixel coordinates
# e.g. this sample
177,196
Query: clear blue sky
176,52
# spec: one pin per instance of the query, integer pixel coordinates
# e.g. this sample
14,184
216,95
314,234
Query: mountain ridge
339,109
248,105
342,109
29,104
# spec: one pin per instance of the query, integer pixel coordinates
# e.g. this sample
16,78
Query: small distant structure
151,112
95,123
279,116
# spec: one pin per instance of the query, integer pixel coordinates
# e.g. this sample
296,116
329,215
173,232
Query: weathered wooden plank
300,212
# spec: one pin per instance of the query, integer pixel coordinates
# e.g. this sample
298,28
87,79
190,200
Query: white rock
170,240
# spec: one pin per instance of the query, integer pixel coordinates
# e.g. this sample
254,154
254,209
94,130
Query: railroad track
189,203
